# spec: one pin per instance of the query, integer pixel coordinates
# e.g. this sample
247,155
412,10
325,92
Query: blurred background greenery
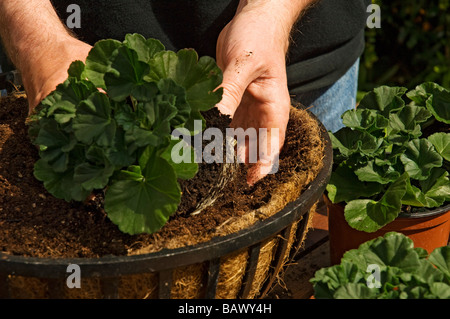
411,47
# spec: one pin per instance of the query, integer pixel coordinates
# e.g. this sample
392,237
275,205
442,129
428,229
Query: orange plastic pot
427,229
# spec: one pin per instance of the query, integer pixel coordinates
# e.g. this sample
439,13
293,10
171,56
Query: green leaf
61,185
147,155
133,173
144,206
345,186
165,112
163,66
419,159
405,272
355,291
357,216
202,92
170,90
388,207
200,77
422,252
408,120
144,91
384,99
393,249
327,280
145,48
389,158
93,121
96,154
55,144
350,141
440,290
193,118
181,156
377,174
144,115
439,105
414,196
370,215
187,72
415,292
62,103
435,97
126,117
440,257
426,273
125,76
398,139
76,70
99,59
157,113
440,188
91,176
119,154
364,119
435,189
433,192
422,92
137,137
441,142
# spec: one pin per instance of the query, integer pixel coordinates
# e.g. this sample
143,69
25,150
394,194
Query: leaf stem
133,103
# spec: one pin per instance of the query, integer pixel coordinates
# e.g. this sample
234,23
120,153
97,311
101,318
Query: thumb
234,85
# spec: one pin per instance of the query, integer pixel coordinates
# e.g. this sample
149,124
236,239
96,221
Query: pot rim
426,212
113,266
422,213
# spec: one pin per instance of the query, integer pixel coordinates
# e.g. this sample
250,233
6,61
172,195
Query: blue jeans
329,103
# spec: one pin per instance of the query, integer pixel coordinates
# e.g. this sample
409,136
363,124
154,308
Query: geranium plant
108,127
388,267
392,155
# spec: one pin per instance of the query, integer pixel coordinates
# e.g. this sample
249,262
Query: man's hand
39,45
251,51
43,77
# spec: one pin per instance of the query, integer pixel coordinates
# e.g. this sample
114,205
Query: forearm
39,45
282,13
29,30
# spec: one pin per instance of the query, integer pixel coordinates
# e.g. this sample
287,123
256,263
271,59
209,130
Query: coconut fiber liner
190,281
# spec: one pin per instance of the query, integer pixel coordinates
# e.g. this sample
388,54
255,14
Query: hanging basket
242,260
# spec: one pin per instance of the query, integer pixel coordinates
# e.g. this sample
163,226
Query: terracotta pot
428,230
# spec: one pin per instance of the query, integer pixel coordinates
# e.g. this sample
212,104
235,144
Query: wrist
49,66
36,62
45,51
278,15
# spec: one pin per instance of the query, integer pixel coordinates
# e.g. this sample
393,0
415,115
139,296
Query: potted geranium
109,196
388,267
391,169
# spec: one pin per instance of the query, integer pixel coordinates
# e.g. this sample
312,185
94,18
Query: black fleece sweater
326,40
